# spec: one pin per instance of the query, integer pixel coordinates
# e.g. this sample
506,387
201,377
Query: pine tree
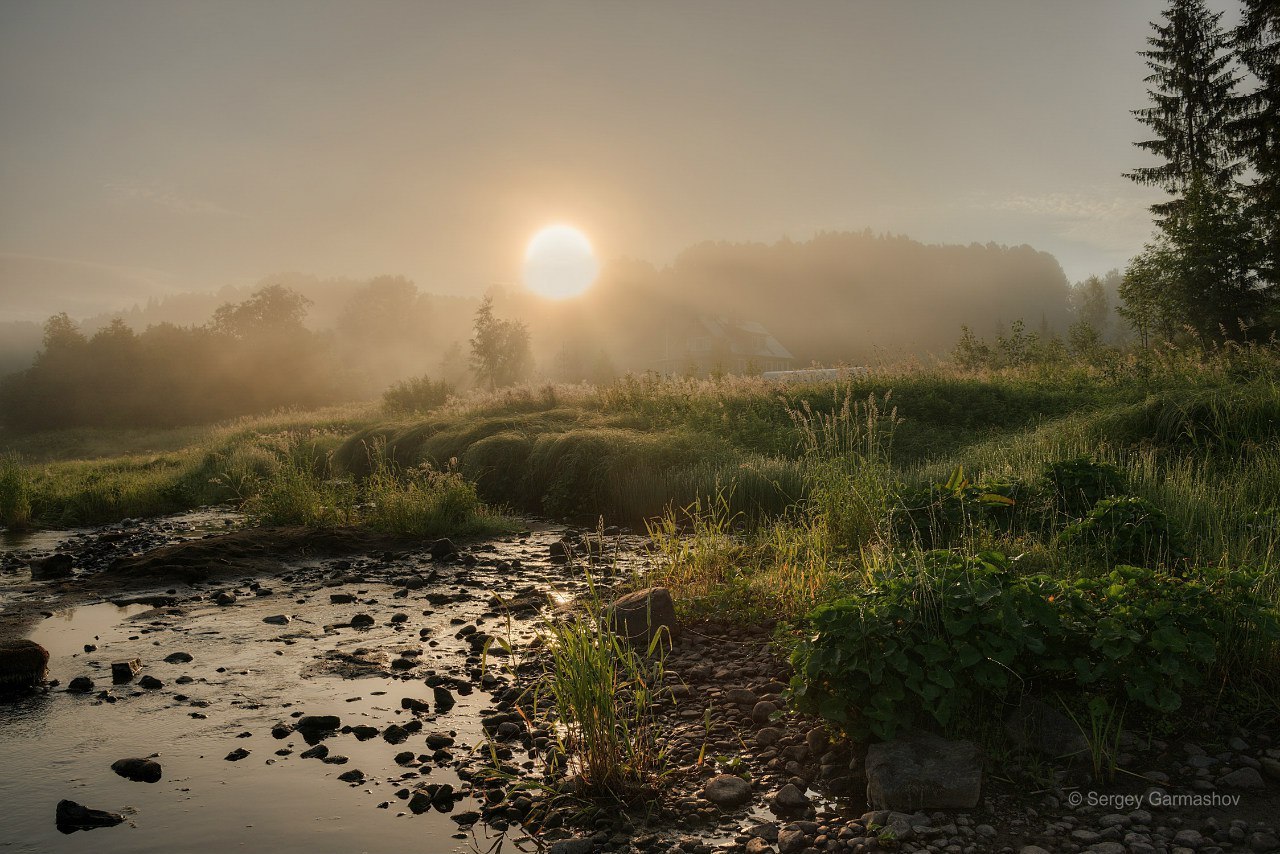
1203,261
1194,103
1257,130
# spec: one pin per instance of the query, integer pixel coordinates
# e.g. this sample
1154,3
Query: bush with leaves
957,633
1080,483
943,514
1128,529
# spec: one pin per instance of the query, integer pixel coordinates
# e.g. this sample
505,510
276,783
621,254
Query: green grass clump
603,691
15,494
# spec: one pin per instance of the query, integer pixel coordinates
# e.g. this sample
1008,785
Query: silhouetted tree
500,354
1205,263
274,310
1257,130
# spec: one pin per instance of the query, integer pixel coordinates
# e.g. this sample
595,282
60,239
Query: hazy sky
166,145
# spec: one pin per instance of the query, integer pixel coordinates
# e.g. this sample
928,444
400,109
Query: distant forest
301,341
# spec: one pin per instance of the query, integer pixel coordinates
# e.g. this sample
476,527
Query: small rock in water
137,769
71,816
23,665
150,682
236,755
361,621
355,775
178,657
277,620
80,685
224,599
124,671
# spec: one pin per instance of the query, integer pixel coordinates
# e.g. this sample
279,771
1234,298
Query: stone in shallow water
124,671
924,771
137,769
71,816
23,665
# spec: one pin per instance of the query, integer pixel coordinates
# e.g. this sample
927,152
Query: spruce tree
1257,43
1193,104
1204,261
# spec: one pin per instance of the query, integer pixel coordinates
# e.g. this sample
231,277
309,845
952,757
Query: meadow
931,538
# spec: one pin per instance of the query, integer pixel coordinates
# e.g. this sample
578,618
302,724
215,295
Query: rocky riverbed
334,692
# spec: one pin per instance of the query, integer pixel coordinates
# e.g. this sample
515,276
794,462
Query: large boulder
23,665
923,772
52,568
644,614
1037,726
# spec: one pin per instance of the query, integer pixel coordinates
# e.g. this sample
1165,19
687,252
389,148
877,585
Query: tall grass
604,690
15,494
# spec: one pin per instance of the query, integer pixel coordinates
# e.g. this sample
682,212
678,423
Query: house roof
745,338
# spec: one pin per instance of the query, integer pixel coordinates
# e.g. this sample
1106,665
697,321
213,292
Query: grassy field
1133,506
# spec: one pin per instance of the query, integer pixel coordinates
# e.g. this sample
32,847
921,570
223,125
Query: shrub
959,631
1126,529
1081,483
943,514
420,394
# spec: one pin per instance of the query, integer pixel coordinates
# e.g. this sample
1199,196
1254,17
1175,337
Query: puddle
66,633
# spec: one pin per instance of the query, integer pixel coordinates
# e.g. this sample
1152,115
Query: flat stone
1244,778
923,772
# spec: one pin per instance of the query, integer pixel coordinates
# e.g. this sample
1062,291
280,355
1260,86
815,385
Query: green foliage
934,643
500,354
15,494
942,514
1129,529
419,394
603,690
1080,483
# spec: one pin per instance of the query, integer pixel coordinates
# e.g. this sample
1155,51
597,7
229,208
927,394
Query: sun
559,262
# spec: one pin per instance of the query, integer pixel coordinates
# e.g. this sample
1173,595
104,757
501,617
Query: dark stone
395,734
23,665
442,549
341,598
236,755
52,568
150,682
355,775
80,685
138,770
124,671
644,614
444,698
277,620
415,705
361,621
224,599
71,816
178,657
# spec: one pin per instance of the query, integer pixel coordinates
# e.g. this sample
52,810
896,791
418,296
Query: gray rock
579,845
924,771
789,797
1032,849
727,791
1244,778
1264,842
790,840
643,615
762,713
277,619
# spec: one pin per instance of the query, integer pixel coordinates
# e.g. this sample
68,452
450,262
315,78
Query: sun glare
559,262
